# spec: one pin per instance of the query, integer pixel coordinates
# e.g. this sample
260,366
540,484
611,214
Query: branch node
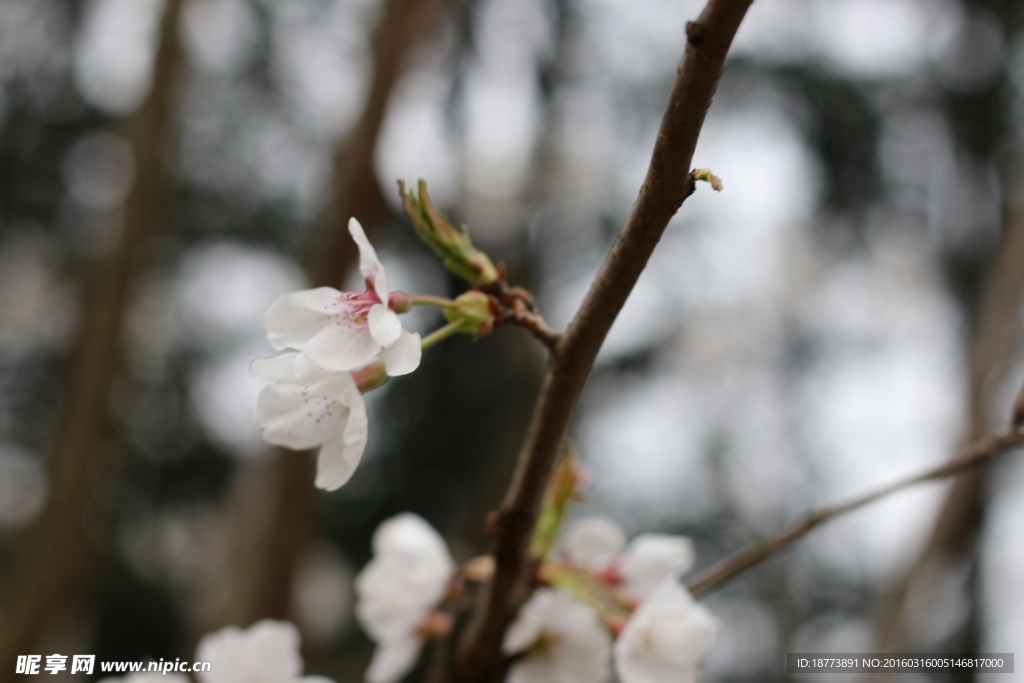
695,33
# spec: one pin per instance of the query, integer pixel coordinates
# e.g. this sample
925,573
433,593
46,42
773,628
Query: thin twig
535,325
516,305
976,454
667,185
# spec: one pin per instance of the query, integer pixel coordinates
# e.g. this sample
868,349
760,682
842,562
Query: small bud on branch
473,313
452,245
563,488
707,176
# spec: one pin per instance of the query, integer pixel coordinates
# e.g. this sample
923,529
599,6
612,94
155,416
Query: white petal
578,644
408,535
291,418
393,659
410,542
666,637
275,368
384,325
268,651
650,558
594,542
526,627
389,606
341,452
369,264
407,577
404,355
296,317
338,347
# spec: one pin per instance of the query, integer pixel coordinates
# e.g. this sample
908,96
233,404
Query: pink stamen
353,308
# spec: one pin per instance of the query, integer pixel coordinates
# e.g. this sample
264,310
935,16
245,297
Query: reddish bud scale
370,377
399,302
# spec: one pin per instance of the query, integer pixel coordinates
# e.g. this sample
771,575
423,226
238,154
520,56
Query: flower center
321,408
352,309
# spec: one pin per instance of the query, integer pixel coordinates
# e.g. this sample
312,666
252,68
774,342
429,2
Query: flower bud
563,487
399,302
472,313
371,377
452,245
436,625
707,176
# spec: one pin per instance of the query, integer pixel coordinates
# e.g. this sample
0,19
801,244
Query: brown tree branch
535,325
973,456
667,185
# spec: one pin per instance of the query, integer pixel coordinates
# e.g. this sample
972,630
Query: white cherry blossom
309,406
406,579
666,638
266,652
650,558
594,543
561,641
346,330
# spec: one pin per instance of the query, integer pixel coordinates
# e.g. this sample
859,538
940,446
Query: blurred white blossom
346,330
308,406
561,640
596,544
398,590
666,638
650,558
266,652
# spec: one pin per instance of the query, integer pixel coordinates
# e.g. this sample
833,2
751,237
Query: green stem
439,335
426,300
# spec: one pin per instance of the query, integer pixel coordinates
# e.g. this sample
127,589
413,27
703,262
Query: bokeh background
846,312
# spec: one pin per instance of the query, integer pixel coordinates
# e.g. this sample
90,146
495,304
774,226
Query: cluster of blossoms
338,345
599,598
315,399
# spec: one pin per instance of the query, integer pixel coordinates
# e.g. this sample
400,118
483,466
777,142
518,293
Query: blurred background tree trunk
57,561
955,535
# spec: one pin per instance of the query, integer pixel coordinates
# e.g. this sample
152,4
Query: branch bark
56,561
973,456
667,185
